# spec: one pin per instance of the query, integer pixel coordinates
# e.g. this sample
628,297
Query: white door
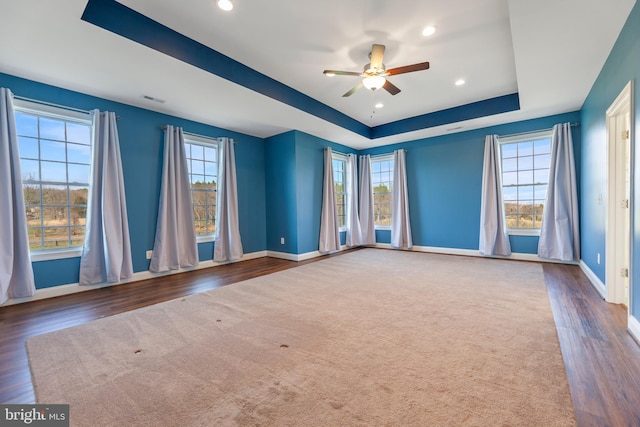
619,198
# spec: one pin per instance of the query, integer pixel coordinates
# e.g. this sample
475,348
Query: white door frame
618,236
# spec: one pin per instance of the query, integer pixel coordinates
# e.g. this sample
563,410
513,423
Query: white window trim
528,136
381,158
69,115
343,158
212,142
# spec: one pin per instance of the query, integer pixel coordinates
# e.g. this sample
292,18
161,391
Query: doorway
618,240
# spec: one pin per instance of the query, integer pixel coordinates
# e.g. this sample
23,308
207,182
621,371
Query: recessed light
329,74
428,31
225,5
379,105
460,82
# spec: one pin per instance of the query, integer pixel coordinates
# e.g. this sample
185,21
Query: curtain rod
164,127
576,124
51,104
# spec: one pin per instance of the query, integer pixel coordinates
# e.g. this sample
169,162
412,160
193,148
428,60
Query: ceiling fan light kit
375,74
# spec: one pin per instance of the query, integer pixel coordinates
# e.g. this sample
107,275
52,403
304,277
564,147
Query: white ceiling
549,51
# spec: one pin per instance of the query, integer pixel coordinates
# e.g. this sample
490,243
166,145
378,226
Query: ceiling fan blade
407,69
377,54
391,88
342,73
354,89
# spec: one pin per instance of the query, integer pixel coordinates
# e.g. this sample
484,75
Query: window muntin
55,159
382,183
525,177
339,164
202,160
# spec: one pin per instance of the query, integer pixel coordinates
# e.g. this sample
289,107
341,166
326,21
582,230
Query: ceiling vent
151,98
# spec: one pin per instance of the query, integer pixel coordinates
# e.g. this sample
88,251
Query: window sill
52,255
205,239
382,227
523,232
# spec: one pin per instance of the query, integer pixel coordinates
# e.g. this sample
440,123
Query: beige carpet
369,338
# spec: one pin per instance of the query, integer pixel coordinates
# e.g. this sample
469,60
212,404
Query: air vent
151,98
455,128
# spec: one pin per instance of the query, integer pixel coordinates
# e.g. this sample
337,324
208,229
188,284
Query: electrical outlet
149,254
282,240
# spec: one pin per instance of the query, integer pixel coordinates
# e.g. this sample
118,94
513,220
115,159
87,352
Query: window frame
339,157
68,115
382,158
519,138
207,142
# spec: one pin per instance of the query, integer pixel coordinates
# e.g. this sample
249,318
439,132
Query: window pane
211,154
197,152
510,193
79,173
28,147
77,153
27,124
53,150
53,171
542,161
56,237
54,195
525,177
542,146
211,169
525,149
525,163
509,151
525,192
509,165
79,133
31,194
30,170
541,176
540,192
510,178
52,129
197,167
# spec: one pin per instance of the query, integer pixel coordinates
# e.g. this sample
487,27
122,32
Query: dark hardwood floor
601,358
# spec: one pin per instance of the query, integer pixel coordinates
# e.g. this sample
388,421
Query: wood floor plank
602,360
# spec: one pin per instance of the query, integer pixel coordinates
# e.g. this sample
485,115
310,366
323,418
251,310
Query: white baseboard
72,288
634,328
475,253
300,257
595,281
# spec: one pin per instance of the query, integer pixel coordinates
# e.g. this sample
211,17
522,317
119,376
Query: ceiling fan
375,73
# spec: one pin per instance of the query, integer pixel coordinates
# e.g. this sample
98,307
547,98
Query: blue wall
141,142
294,189
622,65
444,179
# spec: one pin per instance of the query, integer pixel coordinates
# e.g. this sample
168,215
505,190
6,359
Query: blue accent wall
444,180
294,175
141,142
622,65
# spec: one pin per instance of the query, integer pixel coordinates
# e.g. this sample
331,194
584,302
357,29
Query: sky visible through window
525,178
55,158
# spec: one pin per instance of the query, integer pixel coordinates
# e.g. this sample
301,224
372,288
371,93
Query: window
55,158
525,176
382,183
339,173
202,160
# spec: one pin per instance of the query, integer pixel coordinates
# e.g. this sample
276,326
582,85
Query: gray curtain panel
367,226
354,235
329,233
175,243
16,273
106,254
400,223
494,239
228,245
560,233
